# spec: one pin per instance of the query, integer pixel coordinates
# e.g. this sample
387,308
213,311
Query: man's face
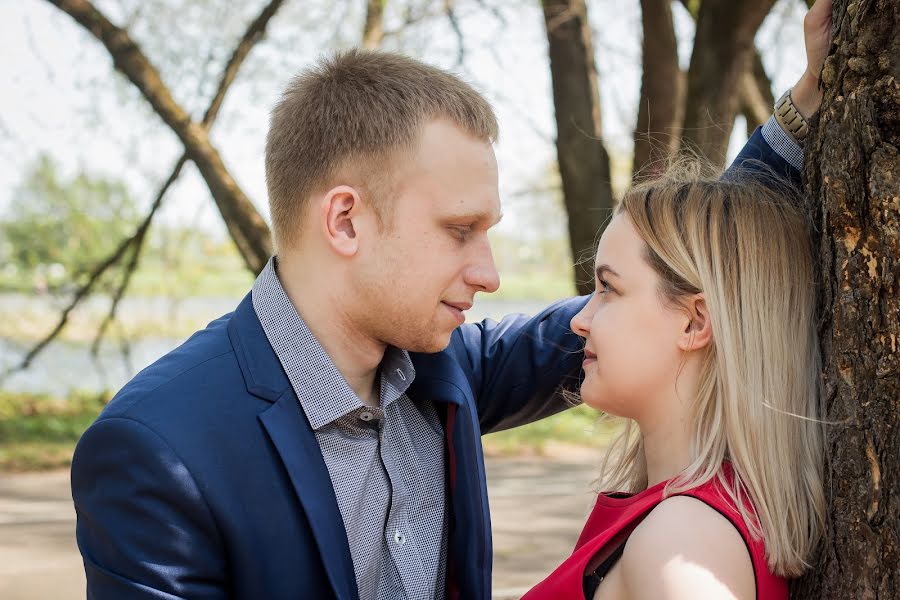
433,255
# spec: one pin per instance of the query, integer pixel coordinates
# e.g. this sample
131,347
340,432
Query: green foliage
57,229
577,427
38,431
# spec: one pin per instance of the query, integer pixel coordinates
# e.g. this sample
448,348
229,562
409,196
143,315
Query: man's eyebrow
604,268
488,218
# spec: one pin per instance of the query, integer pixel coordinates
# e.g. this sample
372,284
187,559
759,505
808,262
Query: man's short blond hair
349,116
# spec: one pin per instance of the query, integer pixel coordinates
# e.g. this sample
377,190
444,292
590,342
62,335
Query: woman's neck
667,433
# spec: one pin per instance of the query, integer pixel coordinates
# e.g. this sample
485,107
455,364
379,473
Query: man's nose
483,273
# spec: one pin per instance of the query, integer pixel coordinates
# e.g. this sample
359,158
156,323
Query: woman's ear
698,331
339,208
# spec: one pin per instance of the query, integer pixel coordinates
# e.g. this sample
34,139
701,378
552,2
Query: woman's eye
602,287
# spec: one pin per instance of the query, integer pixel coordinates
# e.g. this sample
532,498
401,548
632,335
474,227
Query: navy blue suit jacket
203,479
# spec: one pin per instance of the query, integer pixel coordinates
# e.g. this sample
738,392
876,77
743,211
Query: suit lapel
299,450
296,444
439,379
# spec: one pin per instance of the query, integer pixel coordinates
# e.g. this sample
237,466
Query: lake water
65,366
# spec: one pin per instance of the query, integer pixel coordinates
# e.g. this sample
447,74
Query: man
294,448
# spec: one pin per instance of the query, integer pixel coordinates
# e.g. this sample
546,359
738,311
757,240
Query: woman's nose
580,323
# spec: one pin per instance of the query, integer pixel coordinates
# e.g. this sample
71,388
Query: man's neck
355,355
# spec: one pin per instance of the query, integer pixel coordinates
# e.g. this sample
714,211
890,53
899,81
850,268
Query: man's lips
460,306
457,309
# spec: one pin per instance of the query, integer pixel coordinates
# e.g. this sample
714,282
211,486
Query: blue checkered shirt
386,463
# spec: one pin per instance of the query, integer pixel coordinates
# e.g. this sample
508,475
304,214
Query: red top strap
614,512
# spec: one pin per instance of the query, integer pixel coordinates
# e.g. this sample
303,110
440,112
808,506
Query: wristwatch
790,118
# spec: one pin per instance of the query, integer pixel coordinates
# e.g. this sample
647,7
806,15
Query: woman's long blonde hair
747,248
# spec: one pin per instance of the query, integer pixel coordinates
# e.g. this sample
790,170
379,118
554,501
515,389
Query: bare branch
245,225
498,14
450,12
410,18
756,95
253,34
136,241
80,294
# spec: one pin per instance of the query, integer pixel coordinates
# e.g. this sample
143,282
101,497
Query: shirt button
399,538
401,375
366,416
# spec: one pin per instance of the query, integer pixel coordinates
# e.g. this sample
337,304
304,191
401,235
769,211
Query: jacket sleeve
519,367
760,160
143,527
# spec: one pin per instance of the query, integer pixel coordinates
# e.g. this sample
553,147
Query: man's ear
339,213
698,331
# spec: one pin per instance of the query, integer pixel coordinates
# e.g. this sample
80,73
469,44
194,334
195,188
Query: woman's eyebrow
604,268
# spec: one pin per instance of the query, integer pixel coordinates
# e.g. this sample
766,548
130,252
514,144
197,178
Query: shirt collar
323,392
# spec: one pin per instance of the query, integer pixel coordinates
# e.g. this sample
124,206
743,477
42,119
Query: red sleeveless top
612,513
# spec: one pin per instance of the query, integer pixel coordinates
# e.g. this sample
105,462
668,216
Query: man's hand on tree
806,94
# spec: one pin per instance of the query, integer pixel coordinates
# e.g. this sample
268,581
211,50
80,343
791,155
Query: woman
702,335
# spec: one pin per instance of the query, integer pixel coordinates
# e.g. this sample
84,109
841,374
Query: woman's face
631,337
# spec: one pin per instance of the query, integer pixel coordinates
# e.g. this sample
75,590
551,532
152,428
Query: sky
60,95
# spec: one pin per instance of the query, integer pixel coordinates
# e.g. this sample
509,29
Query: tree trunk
583,160
373,28
723,48
659,116
853,185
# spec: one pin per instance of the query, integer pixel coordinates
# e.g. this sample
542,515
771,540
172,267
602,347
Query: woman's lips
589,358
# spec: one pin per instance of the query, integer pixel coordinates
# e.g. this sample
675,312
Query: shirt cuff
782,143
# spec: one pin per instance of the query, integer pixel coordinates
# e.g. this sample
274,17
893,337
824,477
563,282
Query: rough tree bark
659,114
583,160
853,185
723,48
245,225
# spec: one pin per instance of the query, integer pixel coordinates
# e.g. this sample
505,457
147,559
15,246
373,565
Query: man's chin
433,345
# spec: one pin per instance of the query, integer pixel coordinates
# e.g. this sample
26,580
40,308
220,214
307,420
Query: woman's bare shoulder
685,549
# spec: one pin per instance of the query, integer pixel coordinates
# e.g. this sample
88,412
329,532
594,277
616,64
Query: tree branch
756,96
450,12
253,34
245,225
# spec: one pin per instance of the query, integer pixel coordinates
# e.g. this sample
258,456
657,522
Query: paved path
538,508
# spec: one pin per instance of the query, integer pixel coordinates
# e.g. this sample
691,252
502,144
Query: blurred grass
578,428
38,431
